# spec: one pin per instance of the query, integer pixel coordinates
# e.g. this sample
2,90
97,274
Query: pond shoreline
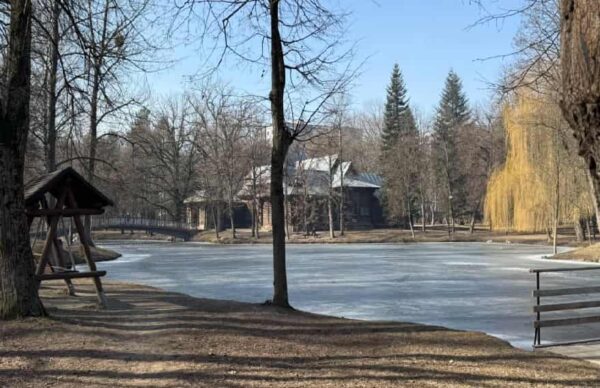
375,236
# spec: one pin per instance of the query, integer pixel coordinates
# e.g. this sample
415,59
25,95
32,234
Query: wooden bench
70,275
539,308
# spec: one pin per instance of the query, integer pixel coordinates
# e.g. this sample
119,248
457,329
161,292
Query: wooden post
61,261
86,248
50,236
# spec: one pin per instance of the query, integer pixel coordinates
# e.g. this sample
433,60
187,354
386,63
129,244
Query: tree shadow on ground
149,337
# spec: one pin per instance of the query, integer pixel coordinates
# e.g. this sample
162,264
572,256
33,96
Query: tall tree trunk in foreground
281,143
18,289
580,68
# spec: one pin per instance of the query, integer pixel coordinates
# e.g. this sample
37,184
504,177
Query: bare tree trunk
330,216
330,199
579,230
253,209
593,193
256,217
423,215
472,226
556,208
19,296
281,143
231,216
341,185
93,145
473,214
216,221
410,220
580,75
305,210
286,202
52,98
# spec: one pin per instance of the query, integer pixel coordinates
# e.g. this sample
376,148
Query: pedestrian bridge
181,230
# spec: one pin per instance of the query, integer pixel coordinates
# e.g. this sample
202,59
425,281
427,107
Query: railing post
538,330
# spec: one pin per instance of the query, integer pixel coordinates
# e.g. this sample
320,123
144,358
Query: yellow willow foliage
541,172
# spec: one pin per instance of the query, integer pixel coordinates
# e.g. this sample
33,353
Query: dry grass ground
152,338
590,253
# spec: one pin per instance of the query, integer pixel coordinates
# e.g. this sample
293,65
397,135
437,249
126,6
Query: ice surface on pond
469,286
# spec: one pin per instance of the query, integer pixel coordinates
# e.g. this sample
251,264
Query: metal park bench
539,308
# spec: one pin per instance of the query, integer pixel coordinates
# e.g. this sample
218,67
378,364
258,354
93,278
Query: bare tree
19,296
257,153
225,121
580,74
113,44
169,159
300,43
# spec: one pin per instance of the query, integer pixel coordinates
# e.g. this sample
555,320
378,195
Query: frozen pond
483,287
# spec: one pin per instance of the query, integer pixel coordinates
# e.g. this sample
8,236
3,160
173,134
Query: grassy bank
150,337
437,234
588,253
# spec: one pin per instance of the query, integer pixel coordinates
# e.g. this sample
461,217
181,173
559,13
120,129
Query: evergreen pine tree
398,119
451,115
399,151
453,110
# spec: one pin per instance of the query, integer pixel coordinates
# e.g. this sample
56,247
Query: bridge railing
128,222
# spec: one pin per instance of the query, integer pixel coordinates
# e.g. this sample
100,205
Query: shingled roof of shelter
86,195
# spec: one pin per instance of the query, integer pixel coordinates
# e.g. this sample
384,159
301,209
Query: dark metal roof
86,195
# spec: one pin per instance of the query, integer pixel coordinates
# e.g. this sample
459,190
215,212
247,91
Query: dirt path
148,337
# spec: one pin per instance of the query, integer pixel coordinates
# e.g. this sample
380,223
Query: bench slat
566,291
566,306
566,321
71,275
565,269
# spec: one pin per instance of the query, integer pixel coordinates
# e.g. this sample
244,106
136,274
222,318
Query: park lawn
149,337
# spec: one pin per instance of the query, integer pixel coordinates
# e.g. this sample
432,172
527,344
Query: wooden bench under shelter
53,197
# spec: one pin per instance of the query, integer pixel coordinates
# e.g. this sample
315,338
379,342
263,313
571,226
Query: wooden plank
567,343
565,269
566,321
566,306
62,212
567,291
70,275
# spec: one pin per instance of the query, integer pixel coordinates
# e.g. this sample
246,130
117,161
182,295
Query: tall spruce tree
398,119
451,115
399,148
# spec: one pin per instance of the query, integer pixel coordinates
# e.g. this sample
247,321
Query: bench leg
100,293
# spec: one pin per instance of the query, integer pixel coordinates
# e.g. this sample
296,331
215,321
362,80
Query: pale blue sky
426,38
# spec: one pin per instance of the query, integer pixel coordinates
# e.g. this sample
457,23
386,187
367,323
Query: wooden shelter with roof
52,197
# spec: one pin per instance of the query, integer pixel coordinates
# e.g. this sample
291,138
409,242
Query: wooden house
309,182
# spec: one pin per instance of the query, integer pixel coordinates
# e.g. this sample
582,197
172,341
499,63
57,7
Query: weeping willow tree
542,183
